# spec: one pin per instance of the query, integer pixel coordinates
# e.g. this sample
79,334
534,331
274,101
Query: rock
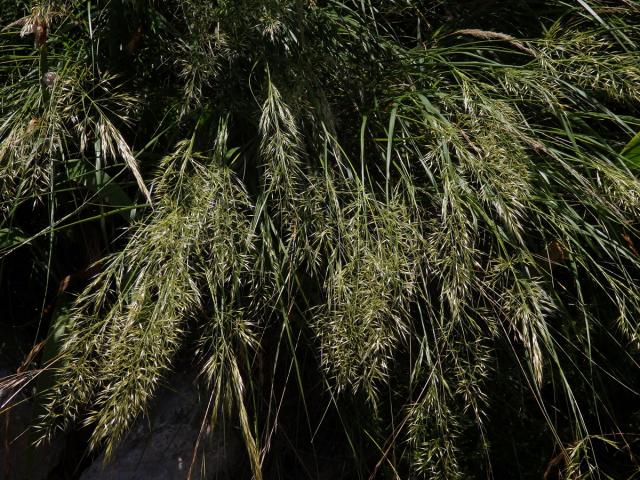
161,445
19,461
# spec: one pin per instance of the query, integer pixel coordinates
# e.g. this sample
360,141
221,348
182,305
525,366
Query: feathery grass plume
56,107
149,291
280,149
73,115
369,291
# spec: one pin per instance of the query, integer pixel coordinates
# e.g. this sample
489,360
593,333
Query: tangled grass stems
382,195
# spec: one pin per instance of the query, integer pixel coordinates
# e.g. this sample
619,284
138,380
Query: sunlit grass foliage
416,209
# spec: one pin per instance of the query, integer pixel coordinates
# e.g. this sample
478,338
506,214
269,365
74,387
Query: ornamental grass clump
404,226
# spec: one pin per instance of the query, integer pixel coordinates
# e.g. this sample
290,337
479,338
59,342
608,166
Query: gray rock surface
19,460
161,445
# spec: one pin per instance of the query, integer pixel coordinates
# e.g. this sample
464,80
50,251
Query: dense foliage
403,229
